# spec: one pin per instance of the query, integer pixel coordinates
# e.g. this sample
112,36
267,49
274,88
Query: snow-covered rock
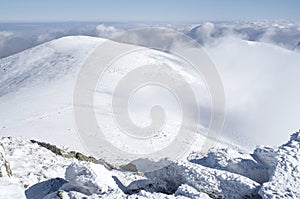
216,183
39,173
89,178
285,175
190,192
42,189
228,159
30,164
266,156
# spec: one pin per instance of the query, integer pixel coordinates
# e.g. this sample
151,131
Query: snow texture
222,173
285,176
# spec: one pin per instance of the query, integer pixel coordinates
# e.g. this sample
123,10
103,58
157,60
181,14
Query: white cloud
261,86
206,30
44,37
106,31
6,33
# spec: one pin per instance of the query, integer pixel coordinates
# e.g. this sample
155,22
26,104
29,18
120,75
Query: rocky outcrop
46,171
4,163
72,154
285,173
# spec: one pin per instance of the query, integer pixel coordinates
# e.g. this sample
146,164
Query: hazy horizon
152,11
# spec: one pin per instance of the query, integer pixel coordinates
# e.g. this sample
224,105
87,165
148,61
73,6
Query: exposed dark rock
73,154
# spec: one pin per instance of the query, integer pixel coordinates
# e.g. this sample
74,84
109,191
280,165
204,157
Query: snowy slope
36,90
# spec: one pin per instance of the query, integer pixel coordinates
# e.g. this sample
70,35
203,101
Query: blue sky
142,10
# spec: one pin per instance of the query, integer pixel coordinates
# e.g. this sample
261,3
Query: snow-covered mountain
36,89
36,102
